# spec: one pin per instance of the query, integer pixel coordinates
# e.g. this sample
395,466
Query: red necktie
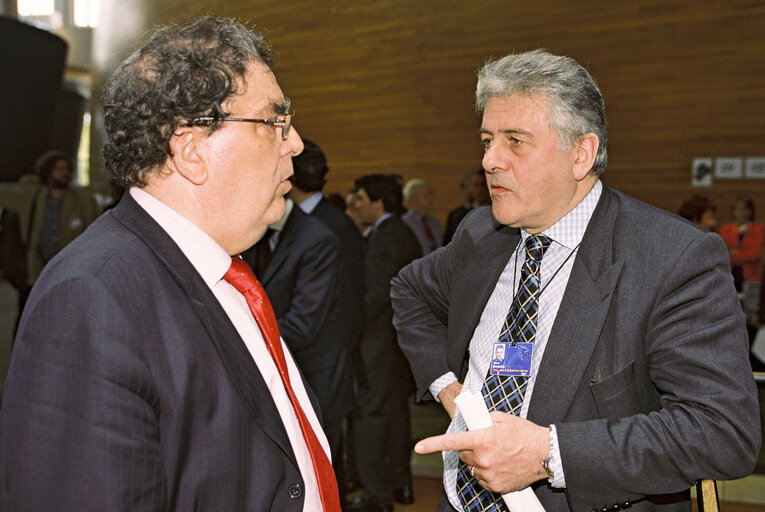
241,277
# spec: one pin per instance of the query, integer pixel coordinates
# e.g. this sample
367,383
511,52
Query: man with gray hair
638,382
418,197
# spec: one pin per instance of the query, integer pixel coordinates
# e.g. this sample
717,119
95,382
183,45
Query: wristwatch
547,460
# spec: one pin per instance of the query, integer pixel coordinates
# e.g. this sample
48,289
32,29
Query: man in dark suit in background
456,215
310,169
346,325
638,383
381,428
141,377
302,279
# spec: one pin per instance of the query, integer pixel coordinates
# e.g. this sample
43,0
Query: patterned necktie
241,277
502,392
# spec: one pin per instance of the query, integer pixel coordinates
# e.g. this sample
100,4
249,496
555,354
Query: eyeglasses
285,122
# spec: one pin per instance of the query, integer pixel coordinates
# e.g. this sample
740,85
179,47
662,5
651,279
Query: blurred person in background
744,238
60,213
418,197
456,215
701,211
480,189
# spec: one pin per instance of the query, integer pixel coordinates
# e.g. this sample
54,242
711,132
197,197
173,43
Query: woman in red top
744,238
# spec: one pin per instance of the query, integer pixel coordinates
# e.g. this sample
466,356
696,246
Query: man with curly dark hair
59,213
148,373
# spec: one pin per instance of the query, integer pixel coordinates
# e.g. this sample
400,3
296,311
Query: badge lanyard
514,358
515,282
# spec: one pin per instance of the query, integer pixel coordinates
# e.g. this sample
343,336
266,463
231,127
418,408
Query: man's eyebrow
281,107
508,131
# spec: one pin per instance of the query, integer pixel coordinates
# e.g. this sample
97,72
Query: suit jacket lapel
580,317
242,371
282,249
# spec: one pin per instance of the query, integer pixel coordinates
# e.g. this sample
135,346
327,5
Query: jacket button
295,491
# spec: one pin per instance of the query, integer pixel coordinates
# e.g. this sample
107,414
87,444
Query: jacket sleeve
420,298
79,427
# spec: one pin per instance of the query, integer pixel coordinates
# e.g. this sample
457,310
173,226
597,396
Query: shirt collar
308,205
569,230
382,219
209,259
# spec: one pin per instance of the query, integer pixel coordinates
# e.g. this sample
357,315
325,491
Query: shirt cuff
440,383
556,465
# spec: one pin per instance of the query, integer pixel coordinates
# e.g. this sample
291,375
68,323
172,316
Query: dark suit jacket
391,246
350,322
301,282
130,389
453,220
645,374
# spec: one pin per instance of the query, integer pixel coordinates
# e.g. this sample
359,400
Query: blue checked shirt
566,235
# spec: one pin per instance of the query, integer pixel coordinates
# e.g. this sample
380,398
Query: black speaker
67,121
31,69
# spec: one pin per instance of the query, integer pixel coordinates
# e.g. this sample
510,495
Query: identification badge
509,359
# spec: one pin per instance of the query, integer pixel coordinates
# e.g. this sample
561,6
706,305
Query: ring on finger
472,471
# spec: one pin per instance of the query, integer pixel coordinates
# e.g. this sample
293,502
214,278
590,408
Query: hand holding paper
504,449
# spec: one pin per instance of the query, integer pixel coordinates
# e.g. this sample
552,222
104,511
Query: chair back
706,496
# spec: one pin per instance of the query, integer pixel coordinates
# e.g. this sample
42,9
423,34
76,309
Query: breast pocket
615,396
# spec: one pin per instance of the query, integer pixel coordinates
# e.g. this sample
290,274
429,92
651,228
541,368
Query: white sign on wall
729,168
755,168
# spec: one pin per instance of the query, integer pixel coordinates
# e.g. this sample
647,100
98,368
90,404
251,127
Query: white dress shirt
211,262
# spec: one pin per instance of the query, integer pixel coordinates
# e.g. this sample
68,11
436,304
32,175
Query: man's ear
584,152
186,146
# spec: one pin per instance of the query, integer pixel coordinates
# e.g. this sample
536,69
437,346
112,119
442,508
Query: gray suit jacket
645,374
130,389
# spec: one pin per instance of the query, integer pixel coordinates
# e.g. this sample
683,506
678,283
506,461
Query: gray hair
576,105
414,187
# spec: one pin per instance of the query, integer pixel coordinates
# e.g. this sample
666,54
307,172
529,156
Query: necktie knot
240,275
536,245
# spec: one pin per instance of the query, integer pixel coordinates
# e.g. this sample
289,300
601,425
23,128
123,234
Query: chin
276,211
501,214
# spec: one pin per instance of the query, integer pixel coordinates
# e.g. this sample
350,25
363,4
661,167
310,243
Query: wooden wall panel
387,86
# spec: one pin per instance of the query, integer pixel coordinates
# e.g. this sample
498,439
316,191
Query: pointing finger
447,442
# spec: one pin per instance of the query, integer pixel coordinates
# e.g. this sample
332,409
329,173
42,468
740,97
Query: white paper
473,410
758,345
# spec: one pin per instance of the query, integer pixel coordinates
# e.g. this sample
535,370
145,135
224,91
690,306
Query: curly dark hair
180,73
47,160
695,207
